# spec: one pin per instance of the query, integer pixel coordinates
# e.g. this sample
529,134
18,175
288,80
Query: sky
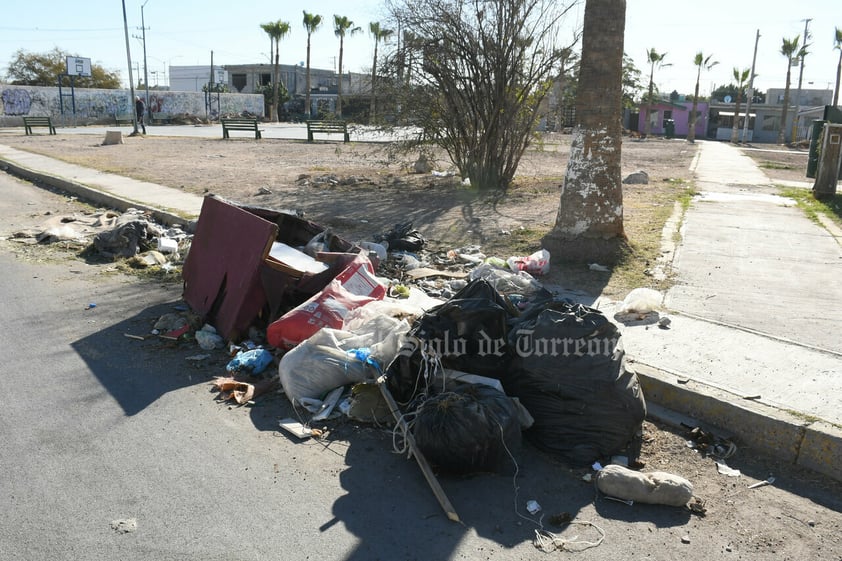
182,32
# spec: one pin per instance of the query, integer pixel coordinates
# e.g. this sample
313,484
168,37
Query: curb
96,196
801,441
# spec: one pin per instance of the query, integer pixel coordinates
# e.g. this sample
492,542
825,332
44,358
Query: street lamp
129,61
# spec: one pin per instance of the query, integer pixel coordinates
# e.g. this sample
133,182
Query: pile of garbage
473,350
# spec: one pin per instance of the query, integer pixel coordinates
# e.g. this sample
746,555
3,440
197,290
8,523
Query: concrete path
757,303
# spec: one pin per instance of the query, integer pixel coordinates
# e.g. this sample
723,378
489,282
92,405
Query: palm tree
741,76
276,30
379,34
589,224
838,46
788,48
654,59
311,24
342,26
701,61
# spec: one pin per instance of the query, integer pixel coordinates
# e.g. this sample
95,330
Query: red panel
222,270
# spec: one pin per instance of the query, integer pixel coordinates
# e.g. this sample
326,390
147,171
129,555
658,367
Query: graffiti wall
91,106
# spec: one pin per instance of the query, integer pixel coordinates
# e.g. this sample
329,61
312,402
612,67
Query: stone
113,137
639,177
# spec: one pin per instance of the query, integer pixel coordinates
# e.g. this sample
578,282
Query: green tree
379,34
789,48
311,24
589,223
43,69
741,76
837,44
701,62
342,26
276,30
655,59
631,82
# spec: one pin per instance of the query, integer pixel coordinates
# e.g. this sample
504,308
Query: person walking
140,109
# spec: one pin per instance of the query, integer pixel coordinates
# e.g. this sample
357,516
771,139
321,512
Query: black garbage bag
468,333
471,428
568,371
403,238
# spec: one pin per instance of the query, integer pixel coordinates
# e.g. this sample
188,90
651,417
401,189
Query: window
238,81
771,122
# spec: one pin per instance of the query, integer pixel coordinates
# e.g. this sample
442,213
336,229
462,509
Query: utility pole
131,78
145,74
800,76
750,89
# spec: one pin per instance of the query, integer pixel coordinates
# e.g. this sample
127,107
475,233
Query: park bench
240,124
159,118
125,119
29,122
327,127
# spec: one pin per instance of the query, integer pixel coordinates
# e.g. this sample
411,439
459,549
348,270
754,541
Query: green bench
158,118
327,127
240,125
29,122
126,119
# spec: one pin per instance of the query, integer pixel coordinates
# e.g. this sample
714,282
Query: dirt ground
798,517
360,189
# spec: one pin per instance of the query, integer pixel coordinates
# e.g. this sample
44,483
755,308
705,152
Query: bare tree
589,223
479,70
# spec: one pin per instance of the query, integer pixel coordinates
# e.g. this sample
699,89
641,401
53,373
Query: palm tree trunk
647,125
838,74
373,90
273,110
307,82
691,130
589,224
339,86
735,128
786,105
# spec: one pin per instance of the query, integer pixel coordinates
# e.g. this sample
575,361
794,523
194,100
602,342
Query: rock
422,165
637,178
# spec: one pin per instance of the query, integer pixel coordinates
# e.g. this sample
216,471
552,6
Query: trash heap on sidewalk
473,350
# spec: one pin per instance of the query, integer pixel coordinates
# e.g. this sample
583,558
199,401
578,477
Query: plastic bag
655,487
323,362
468,430
353,287
536,264
254,361
641,301
569,372
403,238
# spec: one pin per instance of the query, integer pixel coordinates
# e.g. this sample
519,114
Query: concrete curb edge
97,196
802,441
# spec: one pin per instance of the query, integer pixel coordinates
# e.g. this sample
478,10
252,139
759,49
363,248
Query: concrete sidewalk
753,347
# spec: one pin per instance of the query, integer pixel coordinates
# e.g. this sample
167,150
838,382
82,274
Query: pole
750,89
145,74
800,76
131,78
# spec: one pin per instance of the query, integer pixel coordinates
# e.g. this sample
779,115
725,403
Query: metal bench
159,118
125,119
240,125
327,127
29,122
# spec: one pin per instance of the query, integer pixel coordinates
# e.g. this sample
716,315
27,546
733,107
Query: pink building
679,112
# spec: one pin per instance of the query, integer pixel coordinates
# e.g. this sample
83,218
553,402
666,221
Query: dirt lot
361,189
780,162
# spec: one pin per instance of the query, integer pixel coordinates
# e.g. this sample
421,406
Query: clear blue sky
181,32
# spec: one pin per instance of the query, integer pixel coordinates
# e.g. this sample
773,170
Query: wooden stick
419,457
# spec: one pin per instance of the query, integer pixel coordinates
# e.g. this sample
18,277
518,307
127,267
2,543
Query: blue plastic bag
255,361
